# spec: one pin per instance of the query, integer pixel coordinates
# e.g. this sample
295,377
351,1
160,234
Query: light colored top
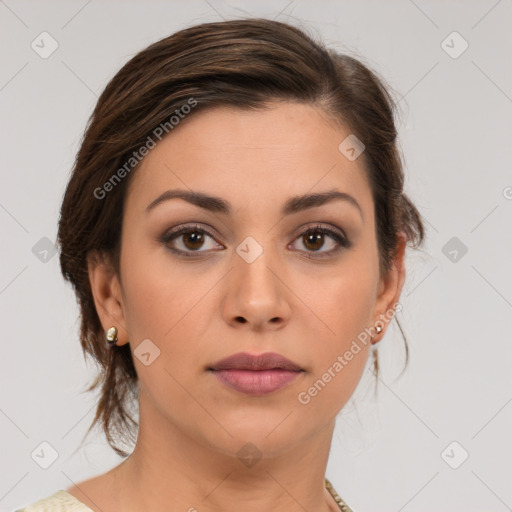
62,501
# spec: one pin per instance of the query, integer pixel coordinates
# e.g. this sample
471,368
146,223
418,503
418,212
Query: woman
235,229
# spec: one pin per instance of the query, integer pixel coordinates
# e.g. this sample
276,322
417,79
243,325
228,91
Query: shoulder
60,501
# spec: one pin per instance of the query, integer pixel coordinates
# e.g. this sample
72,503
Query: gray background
455,131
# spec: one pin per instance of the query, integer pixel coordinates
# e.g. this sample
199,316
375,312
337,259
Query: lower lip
256,382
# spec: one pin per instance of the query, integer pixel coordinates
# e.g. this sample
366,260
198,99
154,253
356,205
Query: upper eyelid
181,229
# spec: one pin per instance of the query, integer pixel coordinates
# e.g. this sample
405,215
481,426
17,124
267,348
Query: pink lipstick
256,374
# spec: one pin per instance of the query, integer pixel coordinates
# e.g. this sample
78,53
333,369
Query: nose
257,297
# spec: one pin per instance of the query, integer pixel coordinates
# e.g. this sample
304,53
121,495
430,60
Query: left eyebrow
293,205
298,203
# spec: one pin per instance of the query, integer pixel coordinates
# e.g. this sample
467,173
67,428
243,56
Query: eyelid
322,226
193,226
337,234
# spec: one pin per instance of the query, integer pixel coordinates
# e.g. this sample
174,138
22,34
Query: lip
246,361
256,374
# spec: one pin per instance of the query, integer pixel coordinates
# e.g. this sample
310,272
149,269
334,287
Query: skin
309,310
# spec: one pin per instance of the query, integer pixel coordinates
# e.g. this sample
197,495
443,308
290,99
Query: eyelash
343,242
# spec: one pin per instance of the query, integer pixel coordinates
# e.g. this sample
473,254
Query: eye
314,239
186,240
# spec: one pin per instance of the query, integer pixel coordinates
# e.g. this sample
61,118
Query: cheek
167,304
344,299
342,351
157,293
344,302
160,301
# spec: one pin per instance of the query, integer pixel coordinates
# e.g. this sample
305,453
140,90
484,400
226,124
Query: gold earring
111,336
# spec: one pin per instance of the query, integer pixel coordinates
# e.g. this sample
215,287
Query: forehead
289,149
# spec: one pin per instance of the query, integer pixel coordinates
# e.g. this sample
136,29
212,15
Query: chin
265,432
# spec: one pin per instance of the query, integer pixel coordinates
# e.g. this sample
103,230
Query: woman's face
262,277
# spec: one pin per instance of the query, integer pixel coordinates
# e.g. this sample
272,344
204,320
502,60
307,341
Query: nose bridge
256,293
254,261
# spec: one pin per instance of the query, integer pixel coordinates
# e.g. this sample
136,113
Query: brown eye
193,240
320,237
313,240
187,240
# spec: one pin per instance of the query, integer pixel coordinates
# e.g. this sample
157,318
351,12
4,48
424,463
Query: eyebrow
293,205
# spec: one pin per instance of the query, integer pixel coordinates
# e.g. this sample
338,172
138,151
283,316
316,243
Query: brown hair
242,63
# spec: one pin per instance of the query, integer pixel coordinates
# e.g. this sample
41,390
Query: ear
390,289
106,291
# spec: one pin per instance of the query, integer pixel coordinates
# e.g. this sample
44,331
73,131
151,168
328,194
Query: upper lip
246,361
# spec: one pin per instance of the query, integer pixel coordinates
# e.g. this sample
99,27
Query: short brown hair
243,63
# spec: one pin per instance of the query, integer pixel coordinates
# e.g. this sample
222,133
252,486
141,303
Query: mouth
256,374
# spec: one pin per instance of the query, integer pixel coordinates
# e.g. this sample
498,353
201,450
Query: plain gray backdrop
437,438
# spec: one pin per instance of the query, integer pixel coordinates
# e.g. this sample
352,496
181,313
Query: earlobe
106,290
390,290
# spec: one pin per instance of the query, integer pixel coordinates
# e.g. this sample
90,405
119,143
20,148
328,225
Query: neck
170,471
